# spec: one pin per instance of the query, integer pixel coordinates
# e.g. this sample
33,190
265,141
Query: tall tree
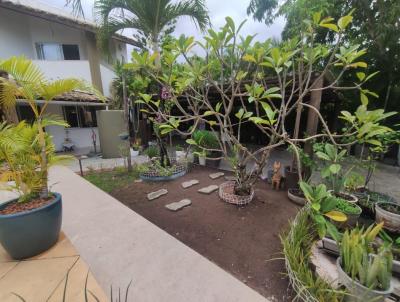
376,26
151,18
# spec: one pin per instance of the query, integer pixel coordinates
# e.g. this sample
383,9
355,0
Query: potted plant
135,148
180,151
351,210
202,158
30,224
322,205
333,172
366,277
207,146
307,166
388,212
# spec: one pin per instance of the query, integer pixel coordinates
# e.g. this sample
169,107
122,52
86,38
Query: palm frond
77,8
195,9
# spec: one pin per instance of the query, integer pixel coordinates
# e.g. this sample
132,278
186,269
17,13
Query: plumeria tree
231,86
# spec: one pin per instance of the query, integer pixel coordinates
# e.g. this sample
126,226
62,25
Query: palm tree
150,18
26,81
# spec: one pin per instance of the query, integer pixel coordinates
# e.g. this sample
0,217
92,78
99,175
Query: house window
57,52
71,116
81,116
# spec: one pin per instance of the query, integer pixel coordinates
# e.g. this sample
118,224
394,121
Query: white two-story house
62,46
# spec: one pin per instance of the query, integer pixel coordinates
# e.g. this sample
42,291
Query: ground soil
17,207
241,240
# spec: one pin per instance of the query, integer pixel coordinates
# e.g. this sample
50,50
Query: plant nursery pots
357,291
211,162
202,160
297,196
226,193
29,233
134,152
291,178
383,212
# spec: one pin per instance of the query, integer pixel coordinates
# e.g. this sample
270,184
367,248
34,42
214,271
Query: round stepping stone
216,175
208,190
176,206
188,184
156,194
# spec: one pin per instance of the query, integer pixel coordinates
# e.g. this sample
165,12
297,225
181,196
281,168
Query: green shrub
347,207
152,151
206,139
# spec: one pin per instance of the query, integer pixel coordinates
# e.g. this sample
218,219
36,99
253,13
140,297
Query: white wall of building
15,35
80,137
55,70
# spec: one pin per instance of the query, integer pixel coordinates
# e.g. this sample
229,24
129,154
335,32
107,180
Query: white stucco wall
107,76
81,137
65,69
15,35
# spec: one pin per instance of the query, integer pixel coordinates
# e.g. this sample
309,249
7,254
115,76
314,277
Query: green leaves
243,115
345,21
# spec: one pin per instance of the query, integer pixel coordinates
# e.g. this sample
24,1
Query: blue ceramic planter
29,233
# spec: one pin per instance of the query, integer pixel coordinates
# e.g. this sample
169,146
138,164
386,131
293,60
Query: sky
218,10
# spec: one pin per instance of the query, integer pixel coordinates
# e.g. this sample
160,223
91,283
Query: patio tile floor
42,278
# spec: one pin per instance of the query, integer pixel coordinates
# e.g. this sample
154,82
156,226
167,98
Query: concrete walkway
120,245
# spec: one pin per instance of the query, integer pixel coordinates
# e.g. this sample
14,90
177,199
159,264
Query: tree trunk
126,119
312,118
43,160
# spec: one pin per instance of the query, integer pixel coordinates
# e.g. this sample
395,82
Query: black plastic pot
29,233
213,163
291,178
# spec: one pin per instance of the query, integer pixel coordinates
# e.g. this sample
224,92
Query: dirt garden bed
240,240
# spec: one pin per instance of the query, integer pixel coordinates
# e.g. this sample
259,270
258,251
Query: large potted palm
31,223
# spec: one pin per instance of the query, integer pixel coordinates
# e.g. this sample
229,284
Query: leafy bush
20,152
354,181
347,207
152,151
322,204
206,139
355,249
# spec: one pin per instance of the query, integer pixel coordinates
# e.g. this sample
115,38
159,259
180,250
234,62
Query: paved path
120,245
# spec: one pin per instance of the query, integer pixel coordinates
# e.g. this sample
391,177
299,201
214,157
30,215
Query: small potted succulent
366,277
388,212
